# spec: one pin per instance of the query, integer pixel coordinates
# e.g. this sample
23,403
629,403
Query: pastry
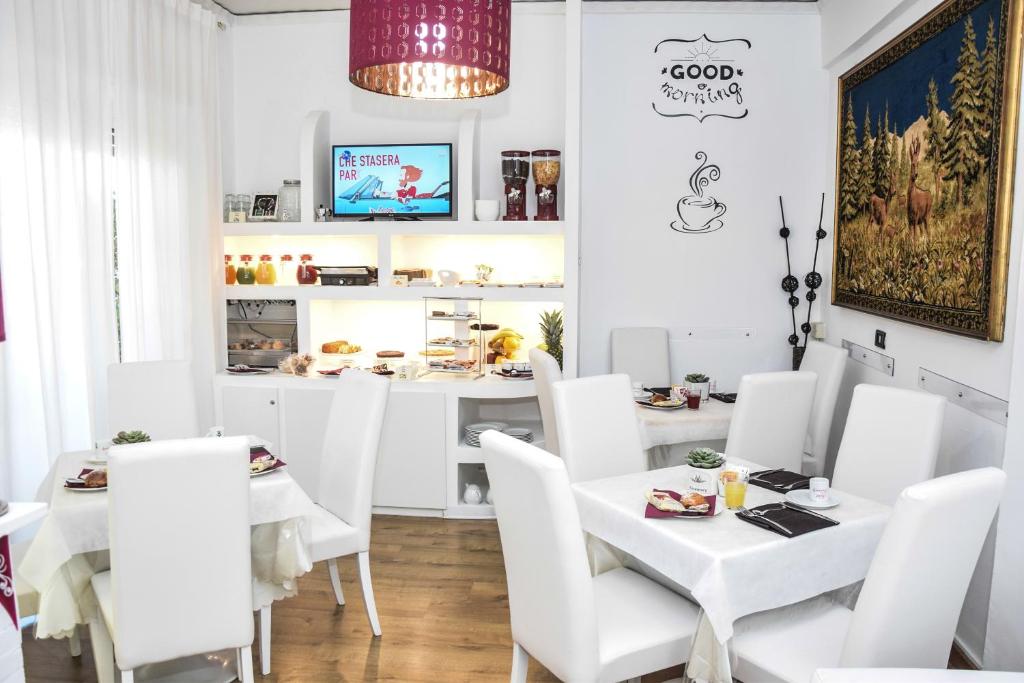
659,398
278,345
340,346
664,502
692,500
486,327
382,369
437,352
261,465
390,354
96,479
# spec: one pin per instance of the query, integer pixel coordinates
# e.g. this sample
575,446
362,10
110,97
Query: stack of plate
521,433
474,431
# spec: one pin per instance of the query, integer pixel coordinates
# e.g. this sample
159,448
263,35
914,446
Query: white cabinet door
251,410
305,413
411,466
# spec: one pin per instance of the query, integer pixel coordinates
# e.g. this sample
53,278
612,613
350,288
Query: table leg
709,659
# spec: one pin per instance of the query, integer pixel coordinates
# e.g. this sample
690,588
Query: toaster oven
261,332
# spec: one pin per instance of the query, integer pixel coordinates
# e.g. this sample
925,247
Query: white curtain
76,77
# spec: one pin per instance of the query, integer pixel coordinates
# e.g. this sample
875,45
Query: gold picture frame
922,225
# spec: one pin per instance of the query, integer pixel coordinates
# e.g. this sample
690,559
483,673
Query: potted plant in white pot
704,467
698,381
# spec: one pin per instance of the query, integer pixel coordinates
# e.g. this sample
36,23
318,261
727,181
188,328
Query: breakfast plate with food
664,503
87,481
661,402
263,462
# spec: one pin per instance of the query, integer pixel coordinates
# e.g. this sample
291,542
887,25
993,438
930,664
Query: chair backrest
550,592
351,443
829,363
180,565
890,442
642,353
158,397
909,606
769,421
598,431
545,373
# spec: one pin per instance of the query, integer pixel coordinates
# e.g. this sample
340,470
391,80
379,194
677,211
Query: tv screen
392,180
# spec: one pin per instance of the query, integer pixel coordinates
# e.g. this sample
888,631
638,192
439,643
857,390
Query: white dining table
72,541
729,567
666,427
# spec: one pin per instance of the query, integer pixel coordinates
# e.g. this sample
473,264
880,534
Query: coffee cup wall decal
699,212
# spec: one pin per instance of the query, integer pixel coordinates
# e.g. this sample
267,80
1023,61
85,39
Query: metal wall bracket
871,358
976,401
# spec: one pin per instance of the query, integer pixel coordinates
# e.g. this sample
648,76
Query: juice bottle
285,272
230,276
306,274
265,272
245,274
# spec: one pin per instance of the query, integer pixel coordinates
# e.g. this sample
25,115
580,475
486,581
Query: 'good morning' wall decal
701,78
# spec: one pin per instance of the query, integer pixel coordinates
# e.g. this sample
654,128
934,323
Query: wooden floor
443,606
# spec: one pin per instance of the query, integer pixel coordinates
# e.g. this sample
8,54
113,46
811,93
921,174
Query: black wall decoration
790,284
699,212
701,78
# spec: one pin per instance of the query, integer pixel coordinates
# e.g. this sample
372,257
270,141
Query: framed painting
926,148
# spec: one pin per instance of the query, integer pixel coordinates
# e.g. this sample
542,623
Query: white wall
718,286
968,440
288,65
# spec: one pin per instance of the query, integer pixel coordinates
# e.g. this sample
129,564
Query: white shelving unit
462,398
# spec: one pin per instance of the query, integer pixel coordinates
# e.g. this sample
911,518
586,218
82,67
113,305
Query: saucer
802,498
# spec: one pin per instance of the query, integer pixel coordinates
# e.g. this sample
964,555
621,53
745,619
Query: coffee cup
697,213
818,490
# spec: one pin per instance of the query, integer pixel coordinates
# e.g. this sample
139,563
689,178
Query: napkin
652,512
792,521
780,481
261,453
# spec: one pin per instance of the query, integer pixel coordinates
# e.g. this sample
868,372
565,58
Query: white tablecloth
731,568
72,542
666,427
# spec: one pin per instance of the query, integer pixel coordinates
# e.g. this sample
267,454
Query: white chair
891,441
158,397
598,433
180,579
914,676
341,523
910,603
829,363
770,418
612,627
545,373
642,353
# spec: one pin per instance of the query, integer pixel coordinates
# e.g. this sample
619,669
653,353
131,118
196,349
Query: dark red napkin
260,452
654,513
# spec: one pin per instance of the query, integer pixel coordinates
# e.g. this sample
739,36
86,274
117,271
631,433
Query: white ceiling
274,6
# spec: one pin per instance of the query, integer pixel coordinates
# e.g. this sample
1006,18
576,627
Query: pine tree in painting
987,92
937,131
964,141
866,178
881,156
851,166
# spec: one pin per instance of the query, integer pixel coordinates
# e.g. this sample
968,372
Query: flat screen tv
392,180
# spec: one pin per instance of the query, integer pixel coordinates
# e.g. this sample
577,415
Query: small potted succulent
699,382
136,436
704,468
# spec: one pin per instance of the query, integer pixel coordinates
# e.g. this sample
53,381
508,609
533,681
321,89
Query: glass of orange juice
735,484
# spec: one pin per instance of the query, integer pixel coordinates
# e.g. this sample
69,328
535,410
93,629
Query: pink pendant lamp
444,49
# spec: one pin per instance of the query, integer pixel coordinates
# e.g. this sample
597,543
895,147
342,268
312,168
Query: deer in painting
879,206
919,202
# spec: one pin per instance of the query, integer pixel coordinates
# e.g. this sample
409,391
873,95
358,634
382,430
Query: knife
793,506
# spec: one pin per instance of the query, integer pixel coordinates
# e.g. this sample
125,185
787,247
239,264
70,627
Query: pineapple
551,330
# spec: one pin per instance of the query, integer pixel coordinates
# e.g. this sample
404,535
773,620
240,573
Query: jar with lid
266,274
285,271
239,211
230,275
245,274
547,168
306,273
229,201
288,198
515,170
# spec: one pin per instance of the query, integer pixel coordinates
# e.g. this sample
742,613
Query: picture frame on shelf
264,207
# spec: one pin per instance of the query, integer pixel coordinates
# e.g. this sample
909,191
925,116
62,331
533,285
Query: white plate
481,427
83,489
802,497
646,404
518,432
260,474
95,461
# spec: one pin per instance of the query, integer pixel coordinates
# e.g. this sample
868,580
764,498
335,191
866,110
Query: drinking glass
735,489
693,400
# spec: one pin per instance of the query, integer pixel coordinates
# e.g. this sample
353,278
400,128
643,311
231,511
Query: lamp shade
443,49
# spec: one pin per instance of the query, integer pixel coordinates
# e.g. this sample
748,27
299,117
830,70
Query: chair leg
264,642
371,604
128,676
246,656
332,567
238,664
520,663
102,650
75,644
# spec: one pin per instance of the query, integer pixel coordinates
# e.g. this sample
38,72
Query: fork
762,515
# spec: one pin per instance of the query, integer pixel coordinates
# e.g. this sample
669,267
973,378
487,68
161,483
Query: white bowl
487,209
